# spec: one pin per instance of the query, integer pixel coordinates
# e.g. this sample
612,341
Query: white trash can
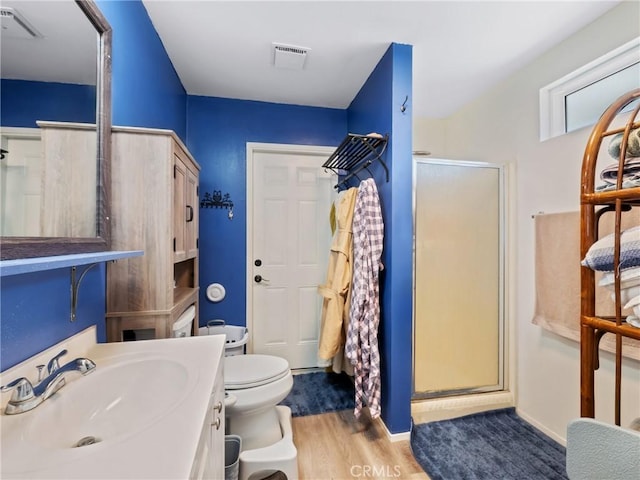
237,337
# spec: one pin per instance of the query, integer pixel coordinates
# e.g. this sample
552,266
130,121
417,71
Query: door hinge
197,243
175,167
174,244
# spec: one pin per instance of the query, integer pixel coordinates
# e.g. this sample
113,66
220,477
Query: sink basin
117,400
139,415
108,403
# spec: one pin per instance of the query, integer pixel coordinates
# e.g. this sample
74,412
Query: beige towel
558,280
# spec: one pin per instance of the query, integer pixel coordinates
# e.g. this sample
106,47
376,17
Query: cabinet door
191,213
179,209
218,426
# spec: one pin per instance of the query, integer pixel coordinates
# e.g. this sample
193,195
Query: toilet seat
253,370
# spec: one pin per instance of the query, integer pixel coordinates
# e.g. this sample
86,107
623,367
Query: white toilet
255,384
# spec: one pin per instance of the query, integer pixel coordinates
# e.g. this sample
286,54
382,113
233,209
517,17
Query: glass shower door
458,278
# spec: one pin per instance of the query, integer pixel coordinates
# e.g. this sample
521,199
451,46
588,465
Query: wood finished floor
337,446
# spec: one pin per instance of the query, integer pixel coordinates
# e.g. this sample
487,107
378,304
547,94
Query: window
578,99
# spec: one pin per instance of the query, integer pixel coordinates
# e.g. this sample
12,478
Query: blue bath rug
320,392
489,445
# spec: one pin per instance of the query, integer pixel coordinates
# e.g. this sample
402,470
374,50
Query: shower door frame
502,368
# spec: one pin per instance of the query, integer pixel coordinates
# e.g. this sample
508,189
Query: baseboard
436,409
395,437
542,428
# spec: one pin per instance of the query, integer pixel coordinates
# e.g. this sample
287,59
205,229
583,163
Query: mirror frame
29,247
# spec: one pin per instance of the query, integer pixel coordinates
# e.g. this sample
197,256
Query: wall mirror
56,67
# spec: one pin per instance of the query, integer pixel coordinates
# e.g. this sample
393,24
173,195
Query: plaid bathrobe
364,312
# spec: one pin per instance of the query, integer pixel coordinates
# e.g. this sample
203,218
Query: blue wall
35,310
376,108
217,135
146,93
146,89
23,102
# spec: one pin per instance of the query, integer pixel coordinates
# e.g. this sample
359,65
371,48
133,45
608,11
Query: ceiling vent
289,56
14,25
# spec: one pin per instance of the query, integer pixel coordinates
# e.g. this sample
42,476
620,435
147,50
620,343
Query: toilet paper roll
216,292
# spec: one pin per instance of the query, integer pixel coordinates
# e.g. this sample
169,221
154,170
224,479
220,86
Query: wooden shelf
609,325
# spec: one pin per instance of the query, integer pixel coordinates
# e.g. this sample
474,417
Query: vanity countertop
155,444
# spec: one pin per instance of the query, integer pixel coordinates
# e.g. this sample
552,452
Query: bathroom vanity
148,410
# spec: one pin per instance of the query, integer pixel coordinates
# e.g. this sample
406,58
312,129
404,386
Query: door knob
260,278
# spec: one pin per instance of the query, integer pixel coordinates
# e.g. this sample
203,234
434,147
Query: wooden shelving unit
621,202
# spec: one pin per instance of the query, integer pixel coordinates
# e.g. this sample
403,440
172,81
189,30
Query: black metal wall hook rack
356,153
216,200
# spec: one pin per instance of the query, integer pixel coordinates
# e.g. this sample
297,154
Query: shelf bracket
75,285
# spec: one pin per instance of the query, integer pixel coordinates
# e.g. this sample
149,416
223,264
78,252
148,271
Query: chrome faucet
26,397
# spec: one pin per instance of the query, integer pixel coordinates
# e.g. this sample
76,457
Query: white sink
139,414
109,403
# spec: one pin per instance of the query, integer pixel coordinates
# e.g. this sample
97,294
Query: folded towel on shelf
629,284
628,278
633,144
631,169
631,181
633,321
600,254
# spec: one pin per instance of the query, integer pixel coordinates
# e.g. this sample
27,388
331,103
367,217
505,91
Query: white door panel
20,180
289,235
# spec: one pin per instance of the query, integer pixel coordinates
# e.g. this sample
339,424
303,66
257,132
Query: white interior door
20,184
288,239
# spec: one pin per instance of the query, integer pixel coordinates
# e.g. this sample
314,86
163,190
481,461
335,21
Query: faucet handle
40,372
85,365
54,364
22,389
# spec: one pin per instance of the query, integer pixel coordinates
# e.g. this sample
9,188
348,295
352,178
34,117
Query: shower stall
459,327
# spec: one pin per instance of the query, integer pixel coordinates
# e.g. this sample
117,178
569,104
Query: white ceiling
64,52
223,48
460,49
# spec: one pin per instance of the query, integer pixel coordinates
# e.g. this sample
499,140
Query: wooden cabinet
66,189
185,204
154,188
